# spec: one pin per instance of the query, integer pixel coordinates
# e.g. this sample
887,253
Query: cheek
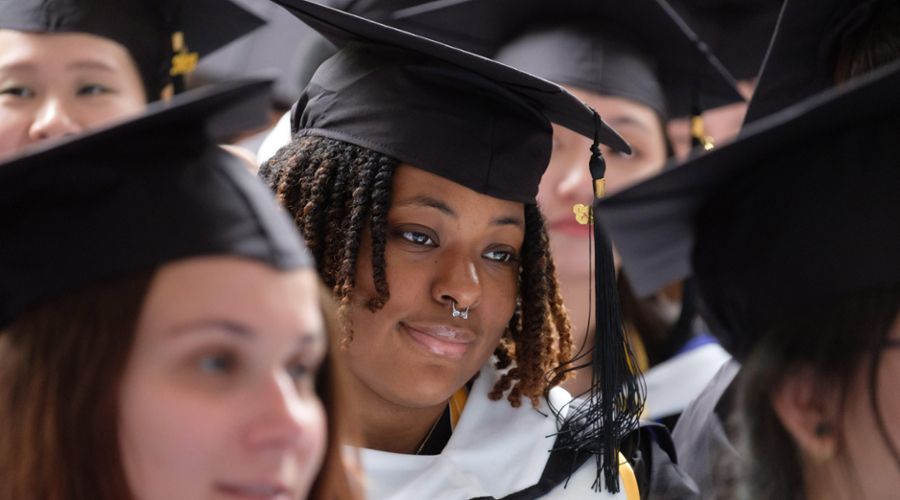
117,108
866,446
168,439
14,124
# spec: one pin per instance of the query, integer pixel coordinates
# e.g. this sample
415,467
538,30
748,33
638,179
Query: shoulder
651,454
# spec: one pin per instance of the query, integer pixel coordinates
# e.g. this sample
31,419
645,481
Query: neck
825,481
391,427
578,296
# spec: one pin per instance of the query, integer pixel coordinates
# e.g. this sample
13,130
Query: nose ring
456,313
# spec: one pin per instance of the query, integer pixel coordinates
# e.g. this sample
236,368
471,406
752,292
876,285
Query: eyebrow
230,327
625,121
429,202
93,65
18,66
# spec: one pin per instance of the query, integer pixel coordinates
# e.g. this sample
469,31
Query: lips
571,227
256,491
441,340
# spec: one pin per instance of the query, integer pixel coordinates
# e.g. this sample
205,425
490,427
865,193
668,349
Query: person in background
163,333
739,33
793,232
802,61
636,64
68,66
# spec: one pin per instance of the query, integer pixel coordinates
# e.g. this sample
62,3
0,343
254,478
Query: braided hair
335,191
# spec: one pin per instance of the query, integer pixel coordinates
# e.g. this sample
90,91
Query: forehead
233,288
59,48
411,183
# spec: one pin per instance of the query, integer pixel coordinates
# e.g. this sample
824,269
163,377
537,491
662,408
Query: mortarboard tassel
616,401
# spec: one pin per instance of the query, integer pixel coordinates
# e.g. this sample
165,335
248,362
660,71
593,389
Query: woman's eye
417,238
218,364
500,256
94,89
17,91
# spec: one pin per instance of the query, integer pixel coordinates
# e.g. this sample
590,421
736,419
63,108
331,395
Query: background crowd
449,249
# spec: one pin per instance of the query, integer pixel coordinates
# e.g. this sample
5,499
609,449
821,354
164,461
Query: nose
575,182
282,416
53,120
457,282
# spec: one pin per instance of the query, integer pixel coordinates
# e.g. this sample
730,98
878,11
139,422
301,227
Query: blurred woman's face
567,181
867,448
218,397
53,85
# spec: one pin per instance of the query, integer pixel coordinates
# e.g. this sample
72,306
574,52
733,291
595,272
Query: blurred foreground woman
163,332
795,243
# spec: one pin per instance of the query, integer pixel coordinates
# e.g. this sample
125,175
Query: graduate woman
794,235
162,333
67,66
413,173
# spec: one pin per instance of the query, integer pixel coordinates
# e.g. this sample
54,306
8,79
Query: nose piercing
456,313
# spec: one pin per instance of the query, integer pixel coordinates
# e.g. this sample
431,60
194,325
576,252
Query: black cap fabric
801,60
580,43
133,197
737,31
802,209
144,27
466,118
376,10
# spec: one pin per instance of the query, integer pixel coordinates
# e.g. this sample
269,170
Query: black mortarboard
134,196
376,10
164,37
803,55
636,49
481,124
802,209
737,31
416,100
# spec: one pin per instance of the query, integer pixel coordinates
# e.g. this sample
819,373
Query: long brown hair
60,367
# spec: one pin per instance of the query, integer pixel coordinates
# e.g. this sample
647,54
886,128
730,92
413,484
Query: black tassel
616,400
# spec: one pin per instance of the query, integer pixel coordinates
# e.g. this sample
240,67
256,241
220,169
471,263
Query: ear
810,411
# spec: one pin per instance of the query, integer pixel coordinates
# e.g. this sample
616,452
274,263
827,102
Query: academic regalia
641,51
135,196
803,53
738,31
164,37
769,223
701,436
487,127
496,449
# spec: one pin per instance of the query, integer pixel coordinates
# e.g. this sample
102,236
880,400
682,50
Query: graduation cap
802,209
737,31
135,196
376,10
164,37
804,52
637,49
483,125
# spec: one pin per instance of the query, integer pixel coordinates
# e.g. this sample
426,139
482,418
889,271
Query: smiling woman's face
218,397
446,245
56,84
